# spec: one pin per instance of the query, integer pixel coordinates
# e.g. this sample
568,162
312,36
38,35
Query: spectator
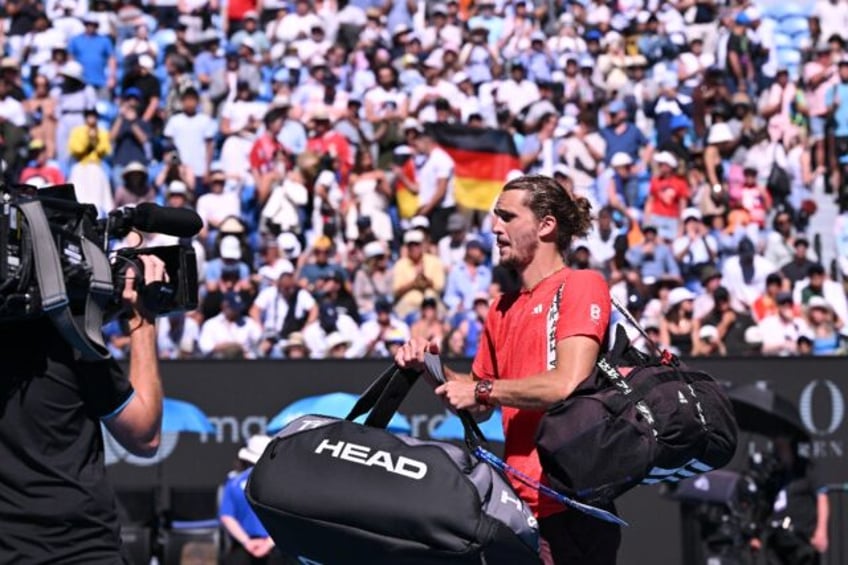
95,53
373,281
177,195
417,276
622,136
315,265
468,280
451,247
782,329
174,169
177,335
218,204
370,200
140,76
41,114
294,347
817,284
668,197
429,324
799,266
89,146
382,329
230,334
516,92
824,328
229,258
74,96
695,249
130,135
435,183
283,309
623,191
192,133
766,304
251,542
331,146
745,276
653,258
135,187
676,326
39,171
316,334
334,291
730,325
710,282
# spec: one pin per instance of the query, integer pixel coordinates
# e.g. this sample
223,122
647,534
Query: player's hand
411,354
458,394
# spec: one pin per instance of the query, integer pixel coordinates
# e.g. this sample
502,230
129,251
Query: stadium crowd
704,132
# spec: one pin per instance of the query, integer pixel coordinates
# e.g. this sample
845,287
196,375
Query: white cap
413,236
230,248
691,213
373,249
719,133
411,123
708,332
146,62
562,169
249,43
177,186
433,61
679,294
514,174
621,159
460,77
565,126
420,222
754,335
326,178
256,446
666,158
288,243
335,339
818,302
72,69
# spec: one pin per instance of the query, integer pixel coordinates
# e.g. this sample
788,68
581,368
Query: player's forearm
538,392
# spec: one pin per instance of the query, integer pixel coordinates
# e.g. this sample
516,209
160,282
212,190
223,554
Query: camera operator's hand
154,271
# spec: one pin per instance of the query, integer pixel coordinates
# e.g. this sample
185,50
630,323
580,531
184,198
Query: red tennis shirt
514,345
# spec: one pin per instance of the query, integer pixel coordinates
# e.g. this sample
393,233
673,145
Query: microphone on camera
179,222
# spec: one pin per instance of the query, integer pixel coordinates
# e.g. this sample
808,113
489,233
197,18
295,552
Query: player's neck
546,263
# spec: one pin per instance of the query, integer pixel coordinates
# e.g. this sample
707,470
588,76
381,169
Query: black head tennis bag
333,491
663,422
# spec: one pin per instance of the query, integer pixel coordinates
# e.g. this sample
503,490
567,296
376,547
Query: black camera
54,262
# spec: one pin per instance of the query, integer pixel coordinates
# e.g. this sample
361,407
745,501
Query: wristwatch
483,392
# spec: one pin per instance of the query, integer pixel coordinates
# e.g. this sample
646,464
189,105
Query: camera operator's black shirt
56,505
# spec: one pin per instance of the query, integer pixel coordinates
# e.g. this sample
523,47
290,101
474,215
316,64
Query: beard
520,252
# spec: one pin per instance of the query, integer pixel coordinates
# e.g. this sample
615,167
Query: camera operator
56,504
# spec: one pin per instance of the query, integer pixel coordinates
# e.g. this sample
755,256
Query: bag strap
383,396
54,296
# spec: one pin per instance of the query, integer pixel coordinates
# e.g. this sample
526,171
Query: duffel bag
663,422
333,491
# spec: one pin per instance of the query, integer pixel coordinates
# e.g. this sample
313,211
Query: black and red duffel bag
333,491
656,421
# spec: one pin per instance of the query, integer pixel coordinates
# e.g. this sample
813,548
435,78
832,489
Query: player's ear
547,228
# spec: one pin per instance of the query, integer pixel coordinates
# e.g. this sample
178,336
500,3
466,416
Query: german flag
483,157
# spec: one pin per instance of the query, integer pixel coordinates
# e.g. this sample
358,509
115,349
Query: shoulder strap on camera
51,286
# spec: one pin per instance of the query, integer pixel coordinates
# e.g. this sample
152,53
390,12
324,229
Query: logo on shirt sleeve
595,313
